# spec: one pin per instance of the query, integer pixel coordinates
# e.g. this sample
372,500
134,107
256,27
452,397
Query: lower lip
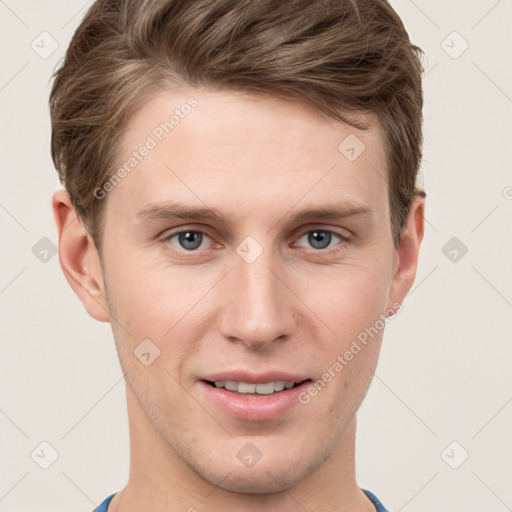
253,407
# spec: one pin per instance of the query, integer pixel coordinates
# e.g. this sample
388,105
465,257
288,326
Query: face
248,249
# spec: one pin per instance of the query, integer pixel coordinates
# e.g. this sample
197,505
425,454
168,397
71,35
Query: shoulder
378,504
104,505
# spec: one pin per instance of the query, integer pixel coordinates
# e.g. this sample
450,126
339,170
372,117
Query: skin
258,161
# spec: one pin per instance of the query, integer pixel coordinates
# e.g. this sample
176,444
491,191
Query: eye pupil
190,240
322,238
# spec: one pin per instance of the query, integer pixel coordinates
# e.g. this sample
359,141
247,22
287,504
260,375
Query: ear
79,258
407,252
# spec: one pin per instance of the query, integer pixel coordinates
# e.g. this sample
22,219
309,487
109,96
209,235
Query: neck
161,481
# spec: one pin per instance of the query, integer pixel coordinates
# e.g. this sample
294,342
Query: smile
255,402
266,388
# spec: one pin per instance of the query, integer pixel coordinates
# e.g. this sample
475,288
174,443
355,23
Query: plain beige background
443,387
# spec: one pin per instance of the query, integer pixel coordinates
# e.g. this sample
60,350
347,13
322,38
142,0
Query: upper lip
254,378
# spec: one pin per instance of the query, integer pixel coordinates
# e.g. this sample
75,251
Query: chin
265,477
260,481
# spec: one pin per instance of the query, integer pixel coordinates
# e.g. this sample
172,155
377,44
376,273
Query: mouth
255,402
247,388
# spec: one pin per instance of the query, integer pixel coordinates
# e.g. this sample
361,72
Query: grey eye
319,239
188,240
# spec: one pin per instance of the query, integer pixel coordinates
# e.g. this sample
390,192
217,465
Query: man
240,204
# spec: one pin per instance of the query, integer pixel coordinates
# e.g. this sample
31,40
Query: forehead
244,154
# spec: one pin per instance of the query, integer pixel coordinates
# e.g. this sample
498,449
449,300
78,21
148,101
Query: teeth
279,385
243,387
266,388
230,385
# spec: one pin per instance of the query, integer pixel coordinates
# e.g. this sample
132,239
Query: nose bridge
256,311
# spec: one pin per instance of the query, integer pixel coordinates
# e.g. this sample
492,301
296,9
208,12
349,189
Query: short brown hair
339,56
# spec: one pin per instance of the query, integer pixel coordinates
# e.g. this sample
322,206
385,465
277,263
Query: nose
258,306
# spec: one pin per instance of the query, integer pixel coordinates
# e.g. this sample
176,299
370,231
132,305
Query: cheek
163,304
349,300
152,298
158,301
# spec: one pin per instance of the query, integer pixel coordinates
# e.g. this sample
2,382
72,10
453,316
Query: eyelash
342,238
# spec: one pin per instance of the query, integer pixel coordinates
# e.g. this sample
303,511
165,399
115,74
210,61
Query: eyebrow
168,210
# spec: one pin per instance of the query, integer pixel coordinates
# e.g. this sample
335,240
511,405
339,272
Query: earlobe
408,251
79,258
